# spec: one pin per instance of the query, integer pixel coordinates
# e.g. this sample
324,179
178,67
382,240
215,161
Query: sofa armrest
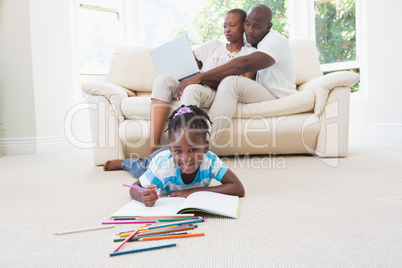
104,130
113,93
321,86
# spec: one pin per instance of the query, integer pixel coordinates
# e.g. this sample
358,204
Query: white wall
16,77
384,62
52,65
380,103
37,82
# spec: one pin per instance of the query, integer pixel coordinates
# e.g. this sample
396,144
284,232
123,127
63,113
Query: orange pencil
169,237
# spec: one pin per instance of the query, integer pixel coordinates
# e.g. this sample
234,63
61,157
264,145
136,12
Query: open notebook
203,201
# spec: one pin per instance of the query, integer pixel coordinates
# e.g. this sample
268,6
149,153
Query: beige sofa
315,120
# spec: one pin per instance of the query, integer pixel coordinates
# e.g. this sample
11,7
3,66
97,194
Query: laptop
175,58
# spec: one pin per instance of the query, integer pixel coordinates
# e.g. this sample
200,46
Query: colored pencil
140,250
160,226
84,230
135,238
161,231
124,218
127,222
170,224
138,188
166,217
169,237
176,222
175,219
133,218
127,239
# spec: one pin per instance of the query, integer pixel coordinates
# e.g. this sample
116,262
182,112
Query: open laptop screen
175,58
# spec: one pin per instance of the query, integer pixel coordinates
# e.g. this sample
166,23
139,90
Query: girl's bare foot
113,165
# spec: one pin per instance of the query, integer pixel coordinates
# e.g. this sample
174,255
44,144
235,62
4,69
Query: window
336,35
102,25
335,24
200,20
98,28
209,21
163,20
105,24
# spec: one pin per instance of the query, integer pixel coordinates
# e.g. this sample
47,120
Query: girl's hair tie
183,110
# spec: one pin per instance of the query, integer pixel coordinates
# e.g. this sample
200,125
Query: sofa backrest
307,65
132,67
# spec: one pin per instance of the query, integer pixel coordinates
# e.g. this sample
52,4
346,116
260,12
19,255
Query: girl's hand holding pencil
149,197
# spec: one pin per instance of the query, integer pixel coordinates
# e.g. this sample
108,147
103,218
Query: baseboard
357,128
38,145
370,133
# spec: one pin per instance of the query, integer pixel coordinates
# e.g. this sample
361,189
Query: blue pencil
141,249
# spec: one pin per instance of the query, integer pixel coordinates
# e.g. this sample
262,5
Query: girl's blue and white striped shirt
167,176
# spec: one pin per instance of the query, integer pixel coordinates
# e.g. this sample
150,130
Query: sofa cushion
307,65
132,68
300,102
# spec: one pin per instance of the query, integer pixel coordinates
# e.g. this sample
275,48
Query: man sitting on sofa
273,60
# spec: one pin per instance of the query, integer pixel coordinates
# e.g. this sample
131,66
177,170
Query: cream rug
299,211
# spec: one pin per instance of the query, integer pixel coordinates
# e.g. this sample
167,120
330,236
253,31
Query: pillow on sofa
132,68
307,65
114,93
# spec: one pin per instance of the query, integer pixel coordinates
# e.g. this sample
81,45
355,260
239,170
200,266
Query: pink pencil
127,239
127,222
138,188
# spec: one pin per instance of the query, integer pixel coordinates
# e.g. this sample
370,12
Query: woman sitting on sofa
209,55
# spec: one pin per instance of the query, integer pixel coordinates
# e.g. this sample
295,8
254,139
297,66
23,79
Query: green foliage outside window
336,30
335,25
209,22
